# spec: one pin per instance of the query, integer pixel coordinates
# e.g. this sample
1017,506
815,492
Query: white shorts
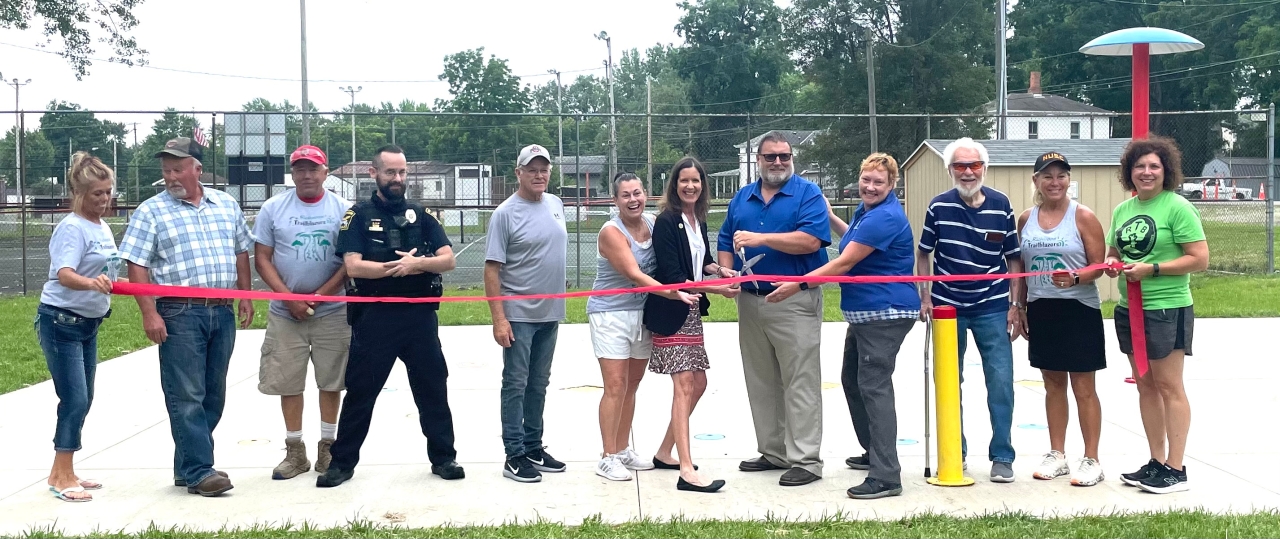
620,335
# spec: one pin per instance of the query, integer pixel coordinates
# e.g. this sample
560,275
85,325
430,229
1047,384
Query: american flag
197,134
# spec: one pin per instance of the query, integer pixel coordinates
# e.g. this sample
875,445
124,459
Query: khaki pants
780,358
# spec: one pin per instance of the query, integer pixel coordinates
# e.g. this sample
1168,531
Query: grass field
22,363
1146,525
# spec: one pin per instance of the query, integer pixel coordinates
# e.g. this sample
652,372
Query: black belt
766,291
207,302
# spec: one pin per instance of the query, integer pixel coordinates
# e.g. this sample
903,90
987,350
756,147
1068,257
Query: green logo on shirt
1137,237
313,245
1047,262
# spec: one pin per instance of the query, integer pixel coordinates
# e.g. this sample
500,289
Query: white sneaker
1054,465
612,469
1088,473
632,461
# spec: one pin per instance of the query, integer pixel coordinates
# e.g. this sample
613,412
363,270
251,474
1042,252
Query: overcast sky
357,42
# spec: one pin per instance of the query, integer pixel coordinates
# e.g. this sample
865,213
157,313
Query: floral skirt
683,351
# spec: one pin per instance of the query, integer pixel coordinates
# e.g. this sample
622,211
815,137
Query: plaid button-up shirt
862,317
188,245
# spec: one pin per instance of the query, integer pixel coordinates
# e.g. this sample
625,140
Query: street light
17,122
353,92
306,120
613,123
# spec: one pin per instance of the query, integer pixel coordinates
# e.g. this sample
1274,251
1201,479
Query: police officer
392,247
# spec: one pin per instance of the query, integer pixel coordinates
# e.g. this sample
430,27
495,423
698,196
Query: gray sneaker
295,460
1001,472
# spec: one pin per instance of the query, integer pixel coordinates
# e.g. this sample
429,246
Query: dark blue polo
799,205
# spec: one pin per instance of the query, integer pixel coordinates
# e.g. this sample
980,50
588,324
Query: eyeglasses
770,157
974,166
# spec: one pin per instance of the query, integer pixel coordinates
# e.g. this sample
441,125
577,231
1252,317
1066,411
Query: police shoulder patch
346,219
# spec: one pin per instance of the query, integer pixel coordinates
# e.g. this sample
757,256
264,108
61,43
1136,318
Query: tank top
1057,249
609,278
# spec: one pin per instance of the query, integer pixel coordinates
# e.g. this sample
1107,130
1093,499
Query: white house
1037,115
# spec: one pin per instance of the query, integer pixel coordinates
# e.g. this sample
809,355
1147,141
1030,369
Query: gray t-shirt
90,250
303,237
530,240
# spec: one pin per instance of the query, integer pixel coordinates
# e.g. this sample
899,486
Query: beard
968,192
390,196
778,178
176,191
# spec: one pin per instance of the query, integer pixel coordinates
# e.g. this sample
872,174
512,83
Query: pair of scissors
747,264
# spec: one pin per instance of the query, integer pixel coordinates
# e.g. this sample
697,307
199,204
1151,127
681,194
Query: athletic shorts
1167,330
290,345
620,335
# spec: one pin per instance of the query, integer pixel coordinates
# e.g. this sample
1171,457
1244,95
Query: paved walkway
1231,382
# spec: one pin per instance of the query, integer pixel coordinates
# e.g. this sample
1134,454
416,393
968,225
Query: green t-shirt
1151,232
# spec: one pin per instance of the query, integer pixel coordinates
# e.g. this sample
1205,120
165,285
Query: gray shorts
290,346
1167,330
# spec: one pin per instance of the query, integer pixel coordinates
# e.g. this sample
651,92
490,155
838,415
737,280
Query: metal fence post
1271,187
22,197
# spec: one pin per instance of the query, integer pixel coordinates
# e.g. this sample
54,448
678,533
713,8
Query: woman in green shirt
1158,238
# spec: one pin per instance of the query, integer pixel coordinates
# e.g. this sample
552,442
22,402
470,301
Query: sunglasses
770,157
974,166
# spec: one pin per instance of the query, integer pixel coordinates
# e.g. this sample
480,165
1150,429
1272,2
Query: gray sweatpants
870,356
780,358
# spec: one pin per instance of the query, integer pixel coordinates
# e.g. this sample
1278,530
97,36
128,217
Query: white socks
328,431
293,435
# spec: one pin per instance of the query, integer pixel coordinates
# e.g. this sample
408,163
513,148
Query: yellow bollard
946,384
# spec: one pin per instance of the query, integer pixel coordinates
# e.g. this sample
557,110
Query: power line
1156,74
1207,4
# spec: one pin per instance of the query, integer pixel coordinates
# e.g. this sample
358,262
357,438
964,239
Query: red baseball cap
309,153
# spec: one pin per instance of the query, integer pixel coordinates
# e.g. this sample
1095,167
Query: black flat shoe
681,484
667,466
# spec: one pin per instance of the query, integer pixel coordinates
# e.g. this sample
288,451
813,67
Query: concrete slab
127,445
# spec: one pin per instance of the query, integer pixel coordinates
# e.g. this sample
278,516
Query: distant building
432,183
1036,115
1247,172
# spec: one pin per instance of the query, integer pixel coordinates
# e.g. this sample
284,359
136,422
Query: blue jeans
991,334
526,371
70,345
193,375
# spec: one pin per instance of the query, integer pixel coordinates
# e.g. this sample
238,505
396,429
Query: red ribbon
1135,293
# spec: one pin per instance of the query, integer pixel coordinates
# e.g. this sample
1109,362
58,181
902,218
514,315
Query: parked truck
1215,189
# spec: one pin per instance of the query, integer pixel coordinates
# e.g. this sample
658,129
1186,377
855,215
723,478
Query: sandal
62,494
90,484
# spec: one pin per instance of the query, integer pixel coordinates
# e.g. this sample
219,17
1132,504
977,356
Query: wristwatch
1020,305
1155,270
1076,277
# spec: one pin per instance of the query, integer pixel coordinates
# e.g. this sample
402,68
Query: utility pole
1002,85
559,125
648,120
871,88
1271,188
613,120
306,120
137,191
17,140
353,92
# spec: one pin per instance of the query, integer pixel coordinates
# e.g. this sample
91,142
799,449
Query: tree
72,22
37,158
70,129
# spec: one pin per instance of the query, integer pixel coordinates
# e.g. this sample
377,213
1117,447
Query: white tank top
1057,249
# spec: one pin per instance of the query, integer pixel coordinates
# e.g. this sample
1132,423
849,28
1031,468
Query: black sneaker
1166,480
859,463
871,489
1147,471
334,477
520,469
544,462
449,470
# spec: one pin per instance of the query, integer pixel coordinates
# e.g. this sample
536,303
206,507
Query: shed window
1075,129
1033,130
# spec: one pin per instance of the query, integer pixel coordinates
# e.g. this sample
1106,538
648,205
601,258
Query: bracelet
1155,270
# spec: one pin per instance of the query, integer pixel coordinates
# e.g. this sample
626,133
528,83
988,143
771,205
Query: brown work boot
295,460
214,485
323,457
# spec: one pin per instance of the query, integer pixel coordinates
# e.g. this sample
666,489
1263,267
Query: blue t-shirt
883,227
89,249
798,206
971,241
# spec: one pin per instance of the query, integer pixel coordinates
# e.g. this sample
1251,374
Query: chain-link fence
462,165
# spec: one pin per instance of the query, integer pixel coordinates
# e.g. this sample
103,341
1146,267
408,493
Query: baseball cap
1049,159
181,147
308,153
528,153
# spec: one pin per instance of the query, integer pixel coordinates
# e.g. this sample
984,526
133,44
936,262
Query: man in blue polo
783,217
971,230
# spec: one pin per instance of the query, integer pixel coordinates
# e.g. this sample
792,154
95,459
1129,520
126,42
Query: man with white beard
970,230
784,218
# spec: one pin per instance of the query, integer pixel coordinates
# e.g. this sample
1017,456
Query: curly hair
1164,148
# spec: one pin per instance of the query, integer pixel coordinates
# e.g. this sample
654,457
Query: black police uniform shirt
376,229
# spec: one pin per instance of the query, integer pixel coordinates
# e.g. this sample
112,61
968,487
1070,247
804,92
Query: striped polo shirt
969,241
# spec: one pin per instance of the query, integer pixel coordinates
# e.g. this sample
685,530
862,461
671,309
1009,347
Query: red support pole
1141,89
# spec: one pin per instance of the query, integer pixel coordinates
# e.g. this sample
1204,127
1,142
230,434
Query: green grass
1178,523
22,363
1237,247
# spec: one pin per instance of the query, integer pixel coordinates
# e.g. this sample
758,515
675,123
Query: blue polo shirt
798,206
883,227
971,241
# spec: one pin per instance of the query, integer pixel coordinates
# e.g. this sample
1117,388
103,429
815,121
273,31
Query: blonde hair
85,171
1036,198
885,161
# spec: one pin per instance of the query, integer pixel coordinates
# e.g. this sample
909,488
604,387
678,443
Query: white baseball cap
528,153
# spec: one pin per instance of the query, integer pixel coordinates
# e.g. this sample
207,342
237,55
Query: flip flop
62,494
90,484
